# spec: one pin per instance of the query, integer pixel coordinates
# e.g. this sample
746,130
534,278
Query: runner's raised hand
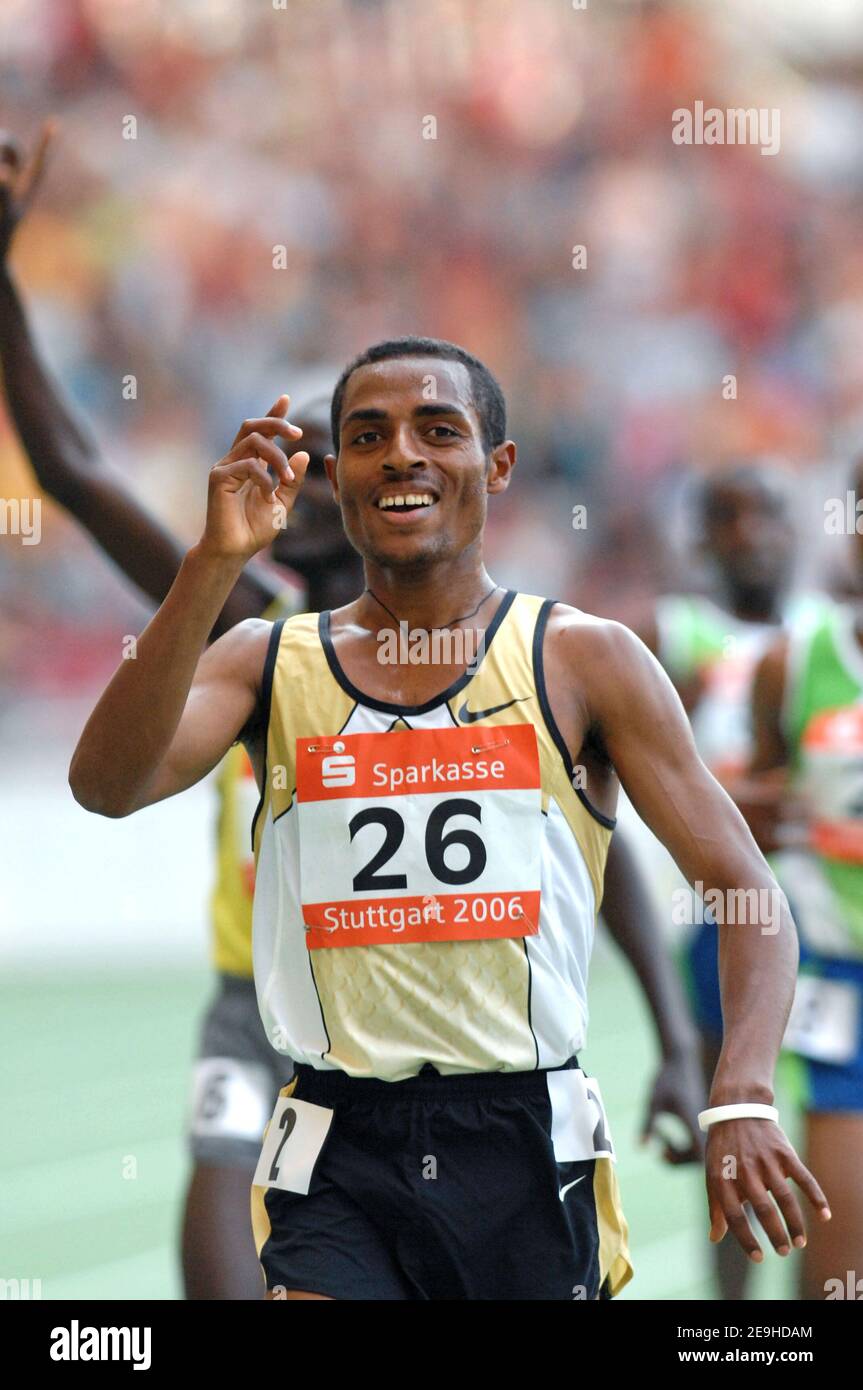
246,502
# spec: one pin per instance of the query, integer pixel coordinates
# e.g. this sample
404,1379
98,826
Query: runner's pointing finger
271,424
257,446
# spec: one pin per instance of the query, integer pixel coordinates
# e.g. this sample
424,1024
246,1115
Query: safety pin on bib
520,913
487,747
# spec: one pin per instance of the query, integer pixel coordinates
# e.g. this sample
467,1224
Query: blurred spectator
308,128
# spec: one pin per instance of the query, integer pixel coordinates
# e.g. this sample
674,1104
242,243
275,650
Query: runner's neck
426,603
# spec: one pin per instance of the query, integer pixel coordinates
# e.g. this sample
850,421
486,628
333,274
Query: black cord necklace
491,591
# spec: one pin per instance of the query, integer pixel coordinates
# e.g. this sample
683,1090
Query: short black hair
488,398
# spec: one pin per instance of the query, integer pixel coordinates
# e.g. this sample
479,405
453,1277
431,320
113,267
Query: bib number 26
370,880
431,835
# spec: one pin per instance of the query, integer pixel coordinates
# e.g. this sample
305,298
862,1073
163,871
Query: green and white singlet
823,722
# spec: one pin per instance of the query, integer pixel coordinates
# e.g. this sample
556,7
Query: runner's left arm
635,713
629,914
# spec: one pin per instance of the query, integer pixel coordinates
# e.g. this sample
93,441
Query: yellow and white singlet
427,878
234,888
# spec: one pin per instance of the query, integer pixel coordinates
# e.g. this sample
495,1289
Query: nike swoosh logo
467,716
574,1183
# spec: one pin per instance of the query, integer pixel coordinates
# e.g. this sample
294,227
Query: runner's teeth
410,499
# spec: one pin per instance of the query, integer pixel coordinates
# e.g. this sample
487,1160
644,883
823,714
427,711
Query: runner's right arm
63,454
170,713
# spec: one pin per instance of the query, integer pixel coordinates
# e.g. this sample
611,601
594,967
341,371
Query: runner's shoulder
640,615
242,651
584,637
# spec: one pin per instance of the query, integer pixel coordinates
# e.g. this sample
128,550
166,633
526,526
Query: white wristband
747,1110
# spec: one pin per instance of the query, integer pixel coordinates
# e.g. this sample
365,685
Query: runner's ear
501,462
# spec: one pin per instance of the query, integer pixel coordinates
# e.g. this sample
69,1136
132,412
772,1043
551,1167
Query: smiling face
413,475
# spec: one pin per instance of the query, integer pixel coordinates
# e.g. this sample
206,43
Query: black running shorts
444,1187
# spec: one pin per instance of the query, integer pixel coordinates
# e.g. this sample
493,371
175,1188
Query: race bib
230,1099
832,782
824,1023
419,835
292,1144
579,1128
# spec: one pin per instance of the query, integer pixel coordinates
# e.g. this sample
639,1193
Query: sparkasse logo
339,770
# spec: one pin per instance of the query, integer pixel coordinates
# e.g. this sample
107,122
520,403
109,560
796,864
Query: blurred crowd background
305,127
301,131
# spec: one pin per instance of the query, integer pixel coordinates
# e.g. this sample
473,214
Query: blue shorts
829,1086
702,976
820,1086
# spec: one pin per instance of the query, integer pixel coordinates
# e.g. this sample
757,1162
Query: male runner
710,647
808,712
238,1074
439,1139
